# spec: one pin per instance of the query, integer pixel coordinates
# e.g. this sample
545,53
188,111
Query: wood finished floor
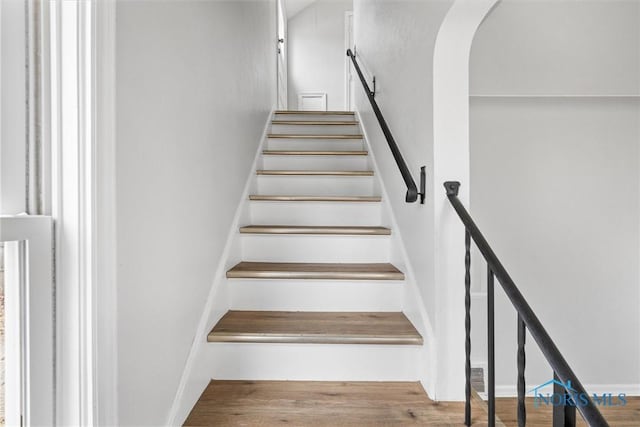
306,403
621,416
309,403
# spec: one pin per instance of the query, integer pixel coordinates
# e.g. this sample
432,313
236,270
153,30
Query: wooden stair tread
276,198
313,153
324,403
318,113
303,270
315,229
314,172
315,327
309,136
315,122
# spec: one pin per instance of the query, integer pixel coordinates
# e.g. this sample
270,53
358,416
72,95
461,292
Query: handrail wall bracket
423,184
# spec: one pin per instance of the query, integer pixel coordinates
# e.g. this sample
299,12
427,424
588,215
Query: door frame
71,359
80,42
29,275
348,83
29,319
281,49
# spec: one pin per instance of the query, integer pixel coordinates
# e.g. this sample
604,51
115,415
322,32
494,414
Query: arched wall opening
451,163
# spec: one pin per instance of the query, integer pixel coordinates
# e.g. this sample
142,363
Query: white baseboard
194,379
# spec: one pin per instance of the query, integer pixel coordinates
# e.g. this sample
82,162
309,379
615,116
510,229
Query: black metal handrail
563,415
412,190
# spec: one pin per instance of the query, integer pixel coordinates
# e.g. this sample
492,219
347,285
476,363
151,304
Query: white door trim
70,207
347,66
31,305
82,76
282,96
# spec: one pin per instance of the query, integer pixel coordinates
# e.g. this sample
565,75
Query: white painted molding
412,306
179,407
451,163
74,203
30,304
347,85
282,32
105,285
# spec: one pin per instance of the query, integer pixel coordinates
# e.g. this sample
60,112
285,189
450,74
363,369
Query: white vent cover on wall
312,101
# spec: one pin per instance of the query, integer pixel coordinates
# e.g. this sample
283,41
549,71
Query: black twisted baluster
467,326
522,411
491,371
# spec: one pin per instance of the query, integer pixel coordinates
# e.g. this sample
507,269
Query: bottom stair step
315,328
322,403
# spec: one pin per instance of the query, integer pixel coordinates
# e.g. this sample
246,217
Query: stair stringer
195,375
412,301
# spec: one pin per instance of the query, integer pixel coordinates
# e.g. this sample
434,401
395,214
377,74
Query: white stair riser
316,295
321,362
315,144
316,117
315,213
317,129
315,185
305,248
356,163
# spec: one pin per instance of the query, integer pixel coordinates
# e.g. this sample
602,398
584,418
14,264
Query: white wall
195,84
558,47
395,42
555,182
13,107
316,52
451,163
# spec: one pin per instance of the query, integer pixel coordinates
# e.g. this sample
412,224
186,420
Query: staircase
315,296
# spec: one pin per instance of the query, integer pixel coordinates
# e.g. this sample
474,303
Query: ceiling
293,7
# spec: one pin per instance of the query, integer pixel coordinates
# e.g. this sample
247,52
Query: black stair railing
412,190
576,397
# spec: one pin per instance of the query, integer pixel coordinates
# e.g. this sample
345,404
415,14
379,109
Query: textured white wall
555,181
395,43
316,52
195,83
558,47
